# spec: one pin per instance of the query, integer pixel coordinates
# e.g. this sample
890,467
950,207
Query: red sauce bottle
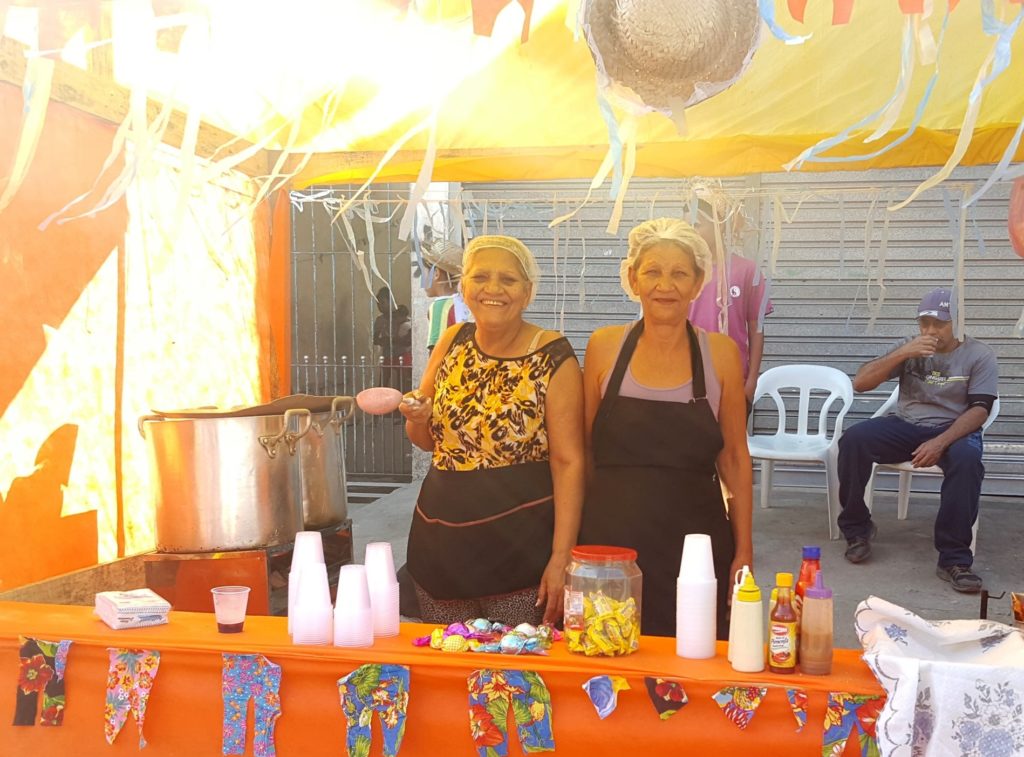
782,623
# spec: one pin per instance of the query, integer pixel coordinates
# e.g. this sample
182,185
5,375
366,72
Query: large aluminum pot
321,455
225,481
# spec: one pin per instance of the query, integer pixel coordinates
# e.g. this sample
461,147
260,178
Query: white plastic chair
906,470
803,446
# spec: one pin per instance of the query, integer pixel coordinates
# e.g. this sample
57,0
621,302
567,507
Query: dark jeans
893,440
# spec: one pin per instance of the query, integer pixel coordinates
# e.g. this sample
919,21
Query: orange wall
42,275
52,277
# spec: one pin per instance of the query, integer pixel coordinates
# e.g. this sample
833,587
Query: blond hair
510,244
670,230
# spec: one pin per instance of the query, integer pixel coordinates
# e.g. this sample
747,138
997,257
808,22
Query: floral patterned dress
485,515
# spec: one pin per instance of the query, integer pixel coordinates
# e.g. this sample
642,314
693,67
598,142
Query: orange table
185,709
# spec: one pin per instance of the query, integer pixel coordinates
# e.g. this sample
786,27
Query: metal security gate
342,340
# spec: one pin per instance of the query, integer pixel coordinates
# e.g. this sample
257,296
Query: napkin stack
131,609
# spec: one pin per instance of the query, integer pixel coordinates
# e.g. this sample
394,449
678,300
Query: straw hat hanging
671,53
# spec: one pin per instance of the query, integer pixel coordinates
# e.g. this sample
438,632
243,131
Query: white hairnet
673,230
510,244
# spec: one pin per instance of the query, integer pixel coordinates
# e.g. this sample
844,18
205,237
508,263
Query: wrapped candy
482,635
609,627
436,638
457,629
513,643
455,643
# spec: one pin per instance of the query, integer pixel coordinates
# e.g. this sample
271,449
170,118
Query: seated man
947,388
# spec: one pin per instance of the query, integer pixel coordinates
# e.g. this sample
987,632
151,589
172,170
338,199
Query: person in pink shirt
748,301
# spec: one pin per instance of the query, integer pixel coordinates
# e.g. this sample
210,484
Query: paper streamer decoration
36,94
668,697
604,693
890,110
767,11
739,703
844,713
996,62
798,701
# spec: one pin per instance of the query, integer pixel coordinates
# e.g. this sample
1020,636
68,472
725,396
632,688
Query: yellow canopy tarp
531,113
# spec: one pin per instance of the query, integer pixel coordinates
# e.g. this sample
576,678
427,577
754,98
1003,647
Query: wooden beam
108,101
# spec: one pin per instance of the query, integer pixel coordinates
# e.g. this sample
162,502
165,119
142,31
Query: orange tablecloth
185,709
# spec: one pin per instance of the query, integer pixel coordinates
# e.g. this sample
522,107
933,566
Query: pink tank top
682,393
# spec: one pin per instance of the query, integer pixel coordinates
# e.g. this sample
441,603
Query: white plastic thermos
741,576
746,634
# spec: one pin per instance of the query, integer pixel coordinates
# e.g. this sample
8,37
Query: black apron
654,482
484,532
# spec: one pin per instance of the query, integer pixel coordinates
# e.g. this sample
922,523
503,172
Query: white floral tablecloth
955,687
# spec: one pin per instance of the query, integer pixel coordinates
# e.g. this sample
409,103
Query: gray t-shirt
933,390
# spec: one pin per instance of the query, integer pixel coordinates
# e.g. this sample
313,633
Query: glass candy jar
602,601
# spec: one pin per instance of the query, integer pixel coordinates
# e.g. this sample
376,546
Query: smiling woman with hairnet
500,410
665,416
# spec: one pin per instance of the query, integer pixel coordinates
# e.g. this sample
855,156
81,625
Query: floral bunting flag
846,712
604,693
798,701
668,697
740,702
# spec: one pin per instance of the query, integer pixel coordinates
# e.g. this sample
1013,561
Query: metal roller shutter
821,286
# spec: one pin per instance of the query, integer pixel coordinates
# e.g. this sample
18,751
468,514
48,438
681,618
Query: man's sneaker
962,578
859,547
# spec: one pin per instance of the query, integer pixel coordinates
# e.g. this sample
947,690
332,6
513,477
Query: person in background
446,306
745,299
947,389
392,333
665,416
500,409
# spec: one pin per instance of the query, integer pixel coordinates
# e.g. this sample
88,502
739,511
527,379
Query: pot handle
146,419
350,407
269,443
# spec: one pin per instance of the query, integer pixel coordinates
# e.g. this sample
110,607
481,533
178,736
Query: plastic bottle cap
812,553
818,590
601,553
741,576
749,591
784,580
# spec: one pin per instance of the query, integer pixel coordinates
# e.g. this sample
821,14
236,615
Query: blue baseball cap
936,304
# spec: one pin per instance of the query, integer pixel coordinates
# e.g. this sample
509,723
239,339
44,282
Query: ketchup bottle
809,568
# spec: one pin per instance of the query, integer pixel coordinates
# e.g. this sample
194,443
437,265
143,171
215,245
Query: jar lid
601,553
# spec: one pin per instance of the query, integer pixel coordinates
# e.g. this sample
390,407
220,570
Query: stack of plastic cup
308,550
353,618
696,600
312,617
383,587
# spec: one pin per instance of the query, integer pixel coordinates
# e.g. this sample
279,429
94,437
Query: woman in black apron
656,455
500,410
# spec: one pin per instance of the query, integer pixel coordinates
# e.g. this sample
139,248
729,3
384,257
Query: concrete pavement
901,569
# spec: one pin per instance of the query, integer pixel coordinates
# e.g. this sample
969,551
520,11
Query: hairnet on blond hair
673,231
510,244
